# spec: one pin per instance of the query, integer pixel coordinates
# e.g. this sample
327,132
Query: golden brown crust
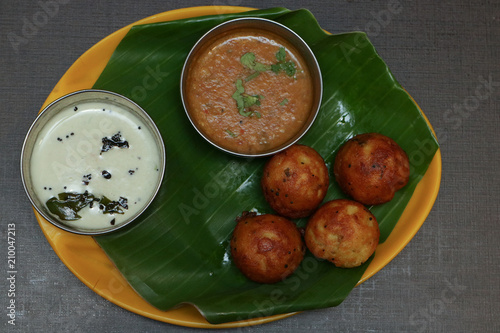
343,232
266,248
295,181
371,167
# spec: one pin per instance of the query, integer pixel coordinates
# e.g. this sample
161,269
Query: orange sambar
277,103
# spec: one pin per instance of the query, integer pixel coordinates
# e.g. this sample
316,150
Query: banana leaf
178,252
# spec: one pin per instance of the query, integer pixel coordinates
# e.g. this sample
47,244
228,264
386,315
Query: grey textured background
446,280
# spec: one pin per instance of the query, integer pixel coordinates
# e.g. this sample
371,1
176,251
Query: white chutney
71,156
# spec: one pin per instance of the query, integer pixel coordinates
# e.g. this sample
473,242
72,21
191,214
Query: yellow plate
98,272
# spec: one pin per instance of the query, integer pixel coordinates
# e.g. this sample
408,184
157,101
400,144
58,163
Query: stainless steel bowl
52,110
272,27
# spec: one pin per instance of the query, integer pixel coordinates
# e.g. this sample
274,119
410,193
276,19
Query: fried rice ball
343,232
295,181
266,248
371,167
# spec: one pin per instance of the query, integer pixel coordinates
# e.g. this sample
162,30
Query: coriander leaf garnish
287,66
240,103
257,114
251,100
231,134
281,54
239,87
284,102
248,60
244,101
252,76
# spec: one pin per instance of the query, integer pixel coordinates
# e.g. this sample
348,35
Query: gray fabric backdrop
446,280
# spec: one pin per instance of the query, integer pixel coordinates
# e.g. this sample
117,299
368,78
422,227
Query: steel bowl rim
310,55
31,131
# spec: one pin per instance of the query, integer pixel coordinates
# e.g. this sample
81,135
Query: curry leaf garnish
112,207
244,101
67,205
